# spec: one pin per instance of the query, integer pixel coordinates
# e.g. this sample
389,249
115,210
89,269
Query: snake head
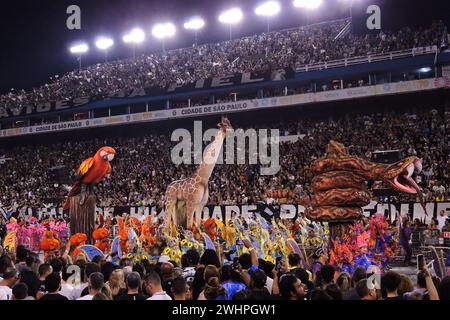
401,175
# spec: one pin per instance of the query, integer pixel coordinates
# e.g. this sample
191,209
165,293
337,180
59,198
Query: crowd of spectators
143,169
258,53
209,276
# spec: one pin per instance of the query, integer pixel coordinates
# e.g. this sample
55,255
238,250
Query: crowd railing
367,59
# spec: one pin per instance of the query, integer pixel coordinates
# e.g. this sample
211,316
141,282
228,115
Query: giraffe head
225,125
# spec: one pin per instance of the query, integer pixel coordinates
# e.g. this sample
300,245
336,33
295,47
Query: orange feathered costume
147,237
123,234
211,228
49,242
100,236
92,171
76,240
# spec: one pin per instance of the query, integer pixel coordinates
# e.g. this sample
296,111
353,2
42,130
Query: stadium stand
263,52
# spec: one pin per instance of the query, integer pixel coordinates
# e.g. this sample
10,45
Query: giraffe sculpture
186,198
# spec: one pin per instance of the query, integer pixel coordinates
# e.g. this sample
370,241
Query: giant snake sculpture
340,189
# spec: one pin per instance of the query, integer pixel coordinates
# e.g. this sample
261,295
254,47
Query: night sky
35,40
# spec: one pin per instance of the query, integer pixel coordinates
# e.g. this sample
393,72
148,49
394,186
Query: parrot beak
110,157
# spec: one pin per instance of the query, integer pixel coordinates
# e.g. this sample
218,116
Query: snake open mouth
405,181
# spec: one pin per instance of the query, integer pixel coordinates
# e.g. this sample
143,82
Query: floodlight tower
194,24
268,9
163,31
230,17
79,50
134,37
104,44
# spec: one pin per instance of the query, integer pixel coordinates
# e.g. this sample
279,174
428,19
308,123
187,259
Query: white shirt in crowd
86,297
76,292
67,291
5,293
441,221
160,296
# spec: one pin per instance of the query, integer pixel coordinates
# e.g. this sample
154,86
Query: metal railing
344,31
367,59
438,255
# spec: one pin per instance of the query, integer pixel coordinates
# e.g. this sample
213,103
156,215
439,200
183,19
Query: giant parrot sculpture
91,172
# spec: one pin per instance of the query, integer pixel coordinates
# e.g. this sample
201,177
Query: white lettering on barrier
284,211
352,93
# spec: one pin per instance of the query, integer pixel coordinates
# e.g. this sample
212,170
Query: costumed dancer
101,235
76,240
50,243
382,241
363,259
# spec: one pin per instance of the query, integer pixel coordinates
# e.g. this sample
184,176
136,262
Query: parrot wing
85,166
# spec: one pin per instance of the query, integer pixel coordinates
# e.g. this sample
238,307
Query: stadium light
308,4
268,9
230,17
425,69
79,50
134,37
194,24
163,31
104,44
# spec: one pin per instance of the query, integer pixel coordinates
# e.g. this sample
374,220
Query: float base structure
338,229
82,217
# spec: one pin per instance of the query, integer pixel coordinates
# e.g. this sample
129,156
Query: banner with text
244,105
285,211
210,83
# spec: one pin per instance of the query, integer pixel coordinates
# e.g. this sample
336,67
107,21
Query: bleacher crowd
257,53
143,169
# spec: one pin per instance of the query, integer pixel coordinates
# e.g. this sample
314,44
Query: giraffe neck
210,157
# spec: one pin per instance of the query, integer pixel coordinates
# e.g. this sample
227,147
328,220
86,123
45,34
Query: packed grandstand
137,179
259,53
416,123
139,183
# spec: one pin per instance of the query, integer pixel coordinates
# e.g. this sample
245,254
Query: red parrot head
106,153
